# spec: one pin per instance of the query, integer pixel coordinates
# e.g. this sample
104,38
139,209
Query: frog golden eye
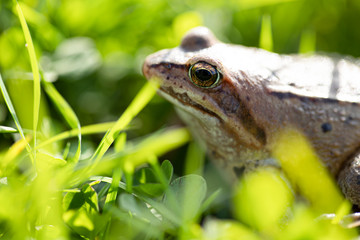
204,75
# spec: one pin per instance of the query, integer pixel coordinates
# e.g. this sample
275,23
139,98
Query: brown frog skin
255,95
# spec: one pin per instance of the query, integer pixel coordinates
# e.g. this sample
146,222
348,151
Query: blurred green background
93,50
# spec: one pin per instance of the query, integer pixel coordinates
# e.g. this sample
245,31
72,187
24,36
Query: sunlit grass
305,170
266,40
14,116
67,113
307,42
35,70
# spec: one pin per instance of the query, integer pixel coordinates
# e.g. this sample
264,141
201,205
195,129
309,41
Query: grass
122,191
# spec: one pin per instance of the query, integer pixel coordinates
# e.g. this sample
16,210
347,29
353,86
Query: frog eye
204,75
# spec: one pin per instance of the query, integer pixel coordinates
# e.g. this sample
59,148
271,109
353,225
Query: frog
235,99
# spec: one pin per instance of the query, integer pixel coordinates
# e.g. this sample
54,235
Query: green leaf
148,182
227,230
150,189
82,212
262,200
185,196
195,158
5,129
46,162
144,175
137,208
75,58
86,199
168,169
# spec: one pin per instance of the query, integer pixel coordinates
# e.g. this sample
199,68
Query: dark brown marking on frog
236,105
326,127
186,100
250,124
239,171
358,180
167,65
306,99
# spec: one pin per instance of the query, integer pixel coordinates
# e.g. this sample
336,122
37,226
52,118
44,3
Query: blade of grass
139,102
112,193
195,158
266,40
86,130
11,155
305,170
161,208
5,129
111,196
34,68
155,145
307,41
14,116
67,112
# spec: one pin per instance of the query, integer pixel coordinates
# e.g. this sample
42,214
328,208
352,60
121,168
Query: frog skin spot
326,127
239,171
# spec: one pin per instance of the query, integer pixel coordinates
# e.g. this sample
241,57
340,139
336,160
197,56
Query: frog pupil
203,74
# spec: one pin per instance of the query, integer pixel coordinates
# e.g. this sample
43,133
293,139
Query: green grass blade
195,158
112,194
139,102
86,130
135,155
266,40
143,152
5,129
307,42
34,68
14,116
67,112
9,160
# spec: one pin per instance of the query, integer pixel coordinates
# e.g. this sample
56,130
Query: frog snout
148,67
145,69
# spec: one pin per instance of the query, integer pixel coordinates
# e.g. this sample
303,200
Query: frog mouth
183,101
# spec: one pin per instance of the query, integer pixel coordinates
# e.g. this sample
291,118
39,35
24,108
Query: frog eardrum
204,75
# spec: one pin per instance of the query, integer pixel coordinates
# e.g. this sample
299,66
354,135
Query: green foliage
60,178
